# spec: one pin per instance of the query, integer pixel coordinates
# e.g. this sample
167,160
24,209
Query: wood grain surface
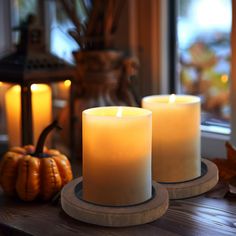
198,216
73,204
195,216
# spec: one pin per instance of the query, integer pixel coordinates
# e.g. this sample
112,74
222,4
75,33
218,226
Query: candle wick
172,98
119,112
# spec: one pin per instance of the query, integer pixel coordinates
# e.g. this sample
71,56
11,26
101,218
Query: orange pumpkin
30,172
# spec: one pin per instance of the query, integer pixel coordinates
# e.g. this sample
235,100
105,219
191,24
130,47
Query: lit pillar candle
117,155
41,111
176,137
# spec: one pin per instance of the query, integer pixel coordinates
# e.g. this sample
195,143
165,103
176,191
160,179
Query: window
204,65
61,43
20,9
204,58
156,37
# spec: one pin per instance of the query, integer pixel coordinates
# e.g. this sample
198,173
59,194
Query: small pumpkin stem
43,136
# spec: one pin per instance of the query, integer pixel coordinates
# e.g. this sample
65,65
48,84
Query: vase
102,79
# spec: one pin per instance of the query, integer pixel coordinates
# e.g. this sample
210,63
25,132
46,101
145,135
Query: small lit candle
63,89
117,155
176,137
41,111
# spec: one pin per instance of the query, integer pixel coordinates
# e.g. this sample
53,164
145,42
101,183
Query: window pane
203,29
62,44
20,10
25,8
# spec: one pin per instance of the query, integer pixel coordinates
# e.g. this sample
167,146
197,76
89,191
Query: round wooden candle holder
73,204
208,179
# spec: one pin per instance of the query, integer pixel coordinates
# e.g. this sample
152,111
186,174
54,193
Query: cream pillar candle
176,137
117,155
41,109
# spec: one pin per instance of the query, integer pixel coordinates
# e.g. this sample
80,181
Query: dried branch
85,7
70,9
94,16
102,23
120,5
108,21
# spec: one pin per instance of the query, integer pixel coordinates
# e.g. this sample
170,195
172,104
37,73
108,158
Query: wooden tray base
87,212
200,185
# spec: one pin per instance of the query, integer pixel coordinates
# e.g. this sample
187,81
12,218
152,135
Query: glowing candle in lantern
176,137
63,89
117,155
41,111
67,83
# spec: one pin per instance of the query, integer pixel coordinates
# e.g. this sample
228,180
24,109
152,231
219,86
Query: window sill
213,143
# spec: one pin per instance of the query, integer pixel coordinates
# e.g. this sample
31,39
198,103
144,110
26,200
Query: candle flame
172,98
67,83
34,87
119,112
39,87
1,83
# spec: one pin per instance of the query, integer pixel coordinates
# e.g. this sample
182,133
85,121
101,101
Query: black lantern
33,64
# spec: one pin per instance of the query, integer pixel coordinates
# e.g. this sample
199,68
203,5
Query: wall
143,31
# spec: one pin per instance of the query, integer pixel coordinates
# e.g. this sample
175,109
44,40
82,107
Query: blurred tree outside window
203,31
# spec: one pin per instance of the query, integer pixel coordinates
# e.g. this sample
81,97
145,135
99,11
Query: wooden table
195,216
